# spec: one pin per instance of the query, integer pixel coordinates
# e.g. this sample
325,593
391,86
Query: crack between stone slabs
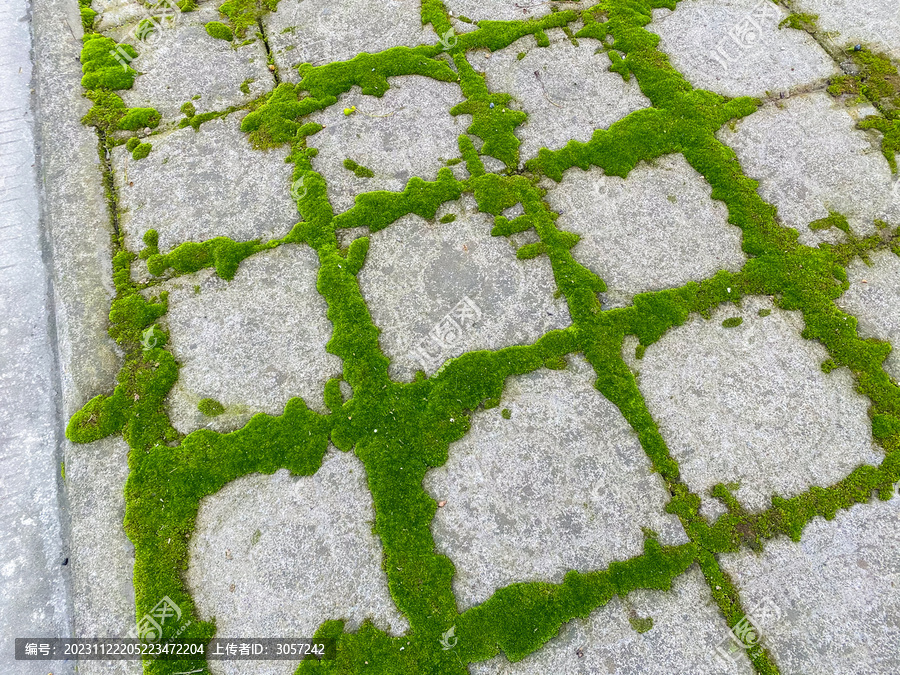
270,60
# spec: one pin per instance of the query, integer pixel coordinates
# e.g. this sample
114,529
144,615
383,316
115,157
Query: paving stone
276,556
831,599
407,132
221,185
181,60
657,229
875,22
419,273
735,48
507,10
734,403
574,95
687,628
563,484
809,158
252,343
337,30
873,298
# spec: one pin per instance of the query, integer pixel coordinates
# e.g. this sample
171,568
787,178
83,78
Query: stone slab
407,132
751,405
277,555
735,48
180,61
223,188
562,484
874,22
831,598
657,229
873,298
252,343
810,158
320,32
573,95
687,628
417,273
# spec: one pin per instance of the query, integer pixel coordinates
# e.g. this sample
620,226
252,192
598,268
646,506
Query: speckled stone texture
832,597
657,229
300,31
733,403
735,47
562,484
873,299
567,90
221,185
253,343
419,273
810,159
275,556
687,629
407,132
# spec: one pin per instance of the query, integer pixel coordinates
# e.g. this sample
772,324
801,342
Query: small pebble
442,503
857,48
271,66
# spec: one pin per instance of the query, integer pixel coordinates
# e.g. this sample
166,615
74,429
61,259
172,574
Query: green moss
764,312
219,30
505,413
100,67
416,422
188,109
359,171
132,143
800,21
140,118
141,151
210,407
245,85
449,218
834,219
639,624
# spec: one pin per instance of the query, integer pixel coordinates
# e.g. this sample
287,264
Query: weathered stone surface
829,602
810,159
223,188
407,132
873,298
735,48
418,273
252,343
506,10
278,555
562,484
657,229
181,62
875,22
337,30
687,628
734,404
572,94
